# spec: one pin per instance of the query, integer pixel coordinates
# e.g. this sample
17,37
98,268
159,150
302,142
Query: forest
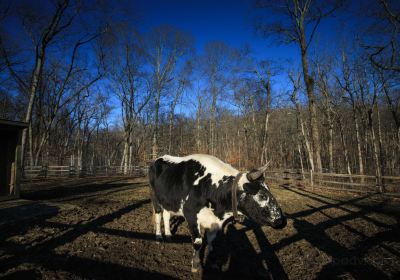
99,89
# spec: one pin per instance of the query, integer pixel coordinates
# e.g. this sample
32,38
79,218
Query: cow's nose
280,222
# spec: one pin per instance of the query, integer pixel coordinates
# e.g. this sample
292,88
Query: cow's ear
251,188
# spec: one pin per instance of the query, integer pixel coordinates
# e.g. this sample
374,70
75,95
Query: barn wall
8,143
10,158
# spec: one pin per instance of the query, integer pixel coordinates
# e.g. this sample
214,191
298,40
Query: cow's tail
152,175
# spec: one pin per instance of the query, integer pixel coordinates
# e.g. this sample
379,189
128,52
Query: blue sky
229,21
233,21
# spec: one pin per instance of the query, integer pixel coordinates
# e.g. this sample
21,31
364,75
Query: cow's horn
252,176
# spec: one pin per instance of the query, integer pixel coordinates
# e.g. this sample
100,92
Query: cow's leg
157,218
167,230
158,226
211,235
197,241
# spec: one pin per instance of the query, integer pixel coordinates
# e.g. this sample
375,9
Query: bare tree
60,87
128,81
295,79
299,24
182,83
59,21
265,80
384,53
163,47
214,66
347,87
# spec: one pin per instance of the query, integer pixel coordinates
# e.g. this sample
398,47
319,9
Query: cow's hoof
168,238
195,265
195,269
159,238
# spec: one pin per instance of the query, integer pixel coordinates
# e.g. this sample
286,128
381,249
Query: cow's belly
174,207
176,213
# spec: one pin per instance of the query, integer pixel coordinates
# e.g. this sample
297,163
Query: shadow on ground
74,189
242,252
237,257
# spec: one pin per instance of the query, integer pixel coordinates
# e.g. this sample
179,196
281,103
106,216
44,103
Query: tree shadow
234,256
94,269
22,253
77,189
344,260
23,274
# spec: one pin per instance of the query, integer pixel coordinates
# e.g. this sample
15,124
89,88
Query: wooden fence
333,181
52,171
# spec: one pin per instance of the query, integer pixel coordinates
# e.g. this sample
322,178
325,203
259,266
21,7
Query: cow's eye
251,188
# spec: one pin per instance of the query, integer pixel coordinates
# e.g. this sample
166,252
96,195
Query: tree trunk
266,121
198,141
330,143
375,146
171,115
49,33
309,83
380,146
358,139
345,151
301,159
155,133
304,134
213,124
265,135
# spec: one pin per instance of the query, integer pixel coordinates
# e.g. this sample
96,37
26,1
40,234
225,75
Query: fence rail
51,171
333,181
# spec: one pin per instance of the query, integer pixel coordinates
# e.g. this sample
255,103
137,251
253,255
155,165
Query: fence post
379,183
45,171
312,179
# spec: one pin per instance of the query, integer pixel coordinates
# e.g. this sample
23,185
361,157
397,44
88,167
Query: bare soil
102,229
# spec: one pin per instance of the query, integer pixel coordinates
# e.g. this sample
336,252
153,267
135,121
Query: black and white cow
199,188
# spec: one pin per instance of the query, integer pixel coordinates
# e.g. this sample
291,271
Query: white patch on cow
261,202
197,181
207,219
243,180
213,166
198,241
158,223
166,218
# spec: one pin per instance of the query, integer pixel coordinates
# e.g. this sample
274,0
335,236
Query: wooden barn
10,158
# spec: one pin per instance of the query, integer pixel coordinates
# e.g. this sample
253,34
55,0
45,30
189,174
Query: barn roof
12,125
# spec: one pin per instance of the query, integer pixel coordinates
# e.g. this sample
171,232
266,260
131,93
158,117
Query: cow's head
257,202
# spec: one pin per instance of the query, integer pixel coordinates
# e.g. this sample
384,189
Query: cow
208,192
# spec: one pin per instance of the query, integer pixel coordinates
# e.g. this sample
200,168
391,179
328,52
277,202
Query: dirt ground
102,229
